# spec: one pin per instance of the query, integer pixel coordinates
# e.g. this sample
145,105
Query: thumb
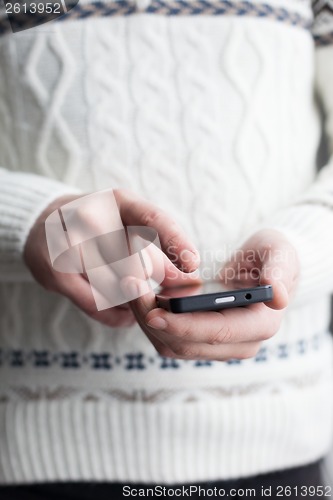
278,271
280,294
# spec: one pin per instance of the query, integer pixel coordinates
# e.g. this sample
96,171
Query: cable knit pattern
214,119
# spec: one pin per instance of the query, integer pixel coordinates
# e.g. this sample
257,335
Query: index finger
134,210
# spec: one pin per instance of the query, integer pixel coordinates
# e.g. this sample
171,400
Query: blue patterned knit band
165,8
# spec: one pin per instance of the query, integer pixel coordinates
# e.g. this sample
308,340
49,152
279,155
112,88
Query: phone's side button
223,300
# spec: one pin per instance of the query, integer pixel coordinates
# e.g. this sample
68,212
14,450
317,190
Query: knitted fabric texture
213,118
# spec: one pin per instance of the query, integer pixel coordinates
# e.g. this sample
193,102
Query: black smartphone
210,296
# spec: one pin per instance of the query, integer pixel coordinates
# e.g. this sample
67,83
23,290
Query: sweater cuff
23,197
308,227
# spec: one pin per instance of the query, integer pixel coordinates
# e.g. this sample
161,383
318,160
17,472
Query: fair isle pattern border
62,393
137,361
164,8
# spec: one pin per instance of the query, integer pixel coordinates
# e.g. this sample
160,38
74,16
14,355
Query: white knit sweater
213,117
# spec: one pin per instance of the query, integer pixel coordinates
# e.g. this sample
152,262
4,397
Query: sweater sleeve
23,196
308,223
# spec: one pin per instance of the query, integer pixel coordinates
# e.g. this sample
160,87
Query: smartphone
210,296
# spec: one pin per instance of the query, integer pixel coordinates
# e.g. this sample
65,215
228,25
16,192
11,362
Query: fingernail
157,323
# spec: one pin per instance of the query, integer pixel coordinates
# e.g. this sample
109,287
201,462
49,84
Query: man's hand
266,258
133,211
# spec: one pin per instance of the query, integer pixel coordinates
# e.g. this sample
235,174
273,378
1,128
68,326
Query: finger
144,300
279,270
172,275
79,291
137,211
115,317
162,349
141,306
242,324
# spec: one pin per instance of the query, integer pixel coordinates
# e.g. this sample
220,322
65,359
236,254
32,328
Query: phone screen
200,289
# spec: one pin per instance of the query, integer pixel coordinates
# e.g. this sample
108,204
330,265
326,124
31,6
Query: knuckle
84,225
165,351
185,351
84,213
222,336
184,333
151,216
173,238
